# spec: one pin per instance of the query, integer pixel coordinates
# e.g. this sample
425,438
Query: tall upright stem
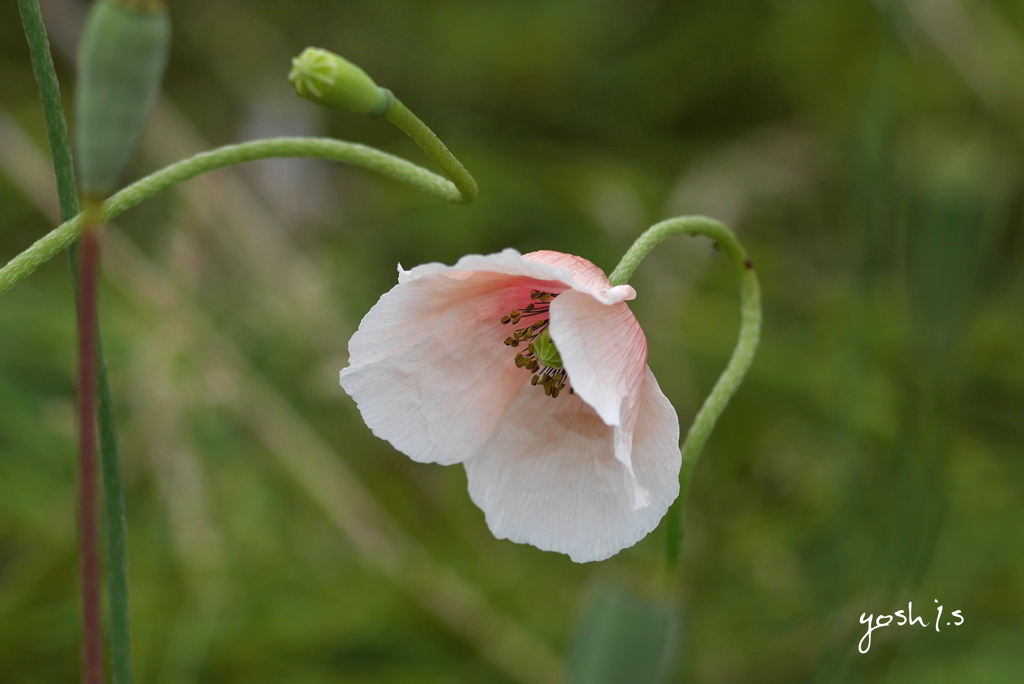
115,523
88,519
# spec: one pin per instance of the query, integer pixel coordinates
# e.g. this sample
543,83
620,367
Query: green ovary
545,351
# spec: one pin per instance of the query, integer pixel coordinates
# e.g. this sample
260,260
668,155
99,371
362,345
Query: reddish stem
88,522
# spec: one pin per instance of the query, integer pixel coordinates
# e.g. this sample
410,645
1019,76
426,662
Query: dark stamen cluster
551,379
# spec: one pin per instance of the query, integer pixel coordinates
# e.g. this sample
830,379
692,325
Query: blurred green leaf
624,638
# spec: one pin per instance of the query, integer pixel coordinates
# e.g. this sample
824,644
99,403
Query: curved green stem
739,363
410,124
319,148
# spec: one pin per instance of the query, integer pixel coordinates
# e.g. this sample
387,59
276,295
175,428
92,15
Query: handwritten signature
902,618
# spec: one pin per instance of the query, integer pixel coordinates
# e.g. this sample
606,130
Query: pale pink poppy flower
450,367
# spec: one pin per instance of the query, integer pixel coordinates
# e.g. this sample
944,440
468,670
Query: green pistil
545,351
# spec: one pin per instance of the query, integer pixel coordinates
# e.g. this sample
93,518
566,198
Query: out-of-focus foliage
623,639
869,153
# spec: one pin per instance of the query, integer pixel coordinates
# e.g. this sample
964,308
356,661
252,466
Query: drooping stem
735,370
329,80
317,148
410,124
115,523
88,513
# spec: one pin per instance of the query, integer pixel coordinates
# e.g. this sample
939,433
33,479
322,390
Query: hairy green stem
739,363
319,148
410,124
110,461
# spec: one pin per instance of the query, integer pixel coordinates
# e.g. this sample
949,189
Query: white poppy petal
604,350
428,367
586,276
507,261
549,477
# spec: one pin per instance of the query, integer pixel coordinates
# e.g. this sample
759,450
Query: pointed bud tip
330,80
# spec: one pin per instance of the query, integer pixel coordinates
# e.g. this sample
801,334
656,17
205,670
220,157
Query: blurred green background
869,154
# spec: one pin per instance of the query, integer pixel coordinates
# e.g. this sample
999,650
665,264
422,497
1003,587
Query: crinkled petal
604,352
507,261
584,272
549,477
587,276
572,271
428,367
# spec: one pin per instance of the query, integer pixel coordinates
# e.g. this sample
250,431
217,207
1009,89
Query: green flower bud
330,80
121,63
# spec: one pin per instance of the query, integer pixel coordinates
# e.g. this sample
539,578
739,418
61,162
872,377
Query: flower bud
120,67
330,80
